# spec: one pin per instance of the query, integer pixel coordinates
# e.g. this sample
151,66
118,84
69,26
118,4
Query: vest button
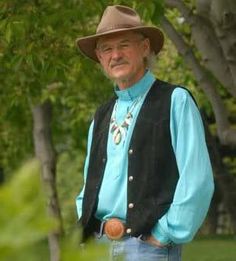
131,178
131,151
131,205
103,160
128,230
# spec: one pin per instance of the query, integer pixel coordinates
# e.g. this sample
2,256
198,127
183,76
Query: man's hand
151,240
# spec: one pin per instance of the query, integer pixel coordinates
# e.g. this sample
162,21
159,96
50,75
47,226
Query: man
148,178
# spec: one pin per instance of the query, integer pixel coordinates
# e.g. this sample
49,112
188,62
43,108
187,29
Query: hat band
117,26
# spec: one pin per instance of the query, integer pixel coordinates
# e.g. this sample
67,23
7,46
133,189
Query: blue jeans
135,249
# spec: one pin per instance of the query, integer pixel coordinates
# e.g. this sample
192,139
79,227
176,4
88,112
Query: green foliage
39,61
207,249
69,184
170,68
89,251
24,222
23,218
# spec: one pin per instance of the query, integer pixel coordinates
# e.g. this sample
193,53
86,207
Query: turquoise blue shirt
195,185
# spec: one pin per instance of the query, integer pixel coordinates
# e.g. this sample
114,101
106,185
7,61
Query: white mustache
118,63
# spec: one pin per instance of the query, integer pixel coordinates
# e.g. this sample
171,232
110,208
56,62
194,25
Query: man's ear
146,47
98,55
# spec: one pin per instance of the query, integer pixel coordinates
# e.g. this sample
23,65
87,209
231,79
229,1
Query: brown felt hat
118,18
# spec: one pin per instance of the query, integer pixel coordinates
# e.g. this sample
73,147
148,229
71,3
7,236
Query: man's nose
116,53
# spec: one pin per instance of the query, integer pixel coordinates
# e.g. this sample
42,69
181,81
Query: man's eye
125,45
106,50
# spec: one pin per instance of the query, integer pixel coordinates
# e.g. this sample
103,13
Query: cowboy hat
118,18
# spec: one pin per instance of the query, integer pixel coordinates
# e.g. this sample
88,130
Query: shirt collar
139,88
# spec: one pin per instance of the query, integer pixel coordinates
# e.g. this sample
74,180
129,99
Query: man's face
122,57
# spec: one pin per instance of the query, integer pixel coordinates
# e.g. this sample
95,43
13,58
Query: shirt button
131,151
131,178
131,205
128,230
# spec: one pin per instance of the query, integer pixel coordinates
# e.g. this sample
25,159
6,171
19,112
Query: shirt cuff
160,235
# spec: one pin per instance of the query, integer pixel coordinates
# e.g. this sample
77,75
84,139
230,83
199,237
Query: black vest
151,162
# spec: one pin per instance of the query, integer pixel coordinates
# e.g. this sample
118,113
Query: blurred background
49,92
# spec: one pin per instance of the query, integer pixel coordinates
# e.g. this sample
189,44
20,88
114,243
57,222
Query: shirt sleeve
79,198
195,186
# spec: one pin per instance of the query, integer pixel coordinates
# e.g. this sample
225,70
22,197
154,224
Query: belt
113,228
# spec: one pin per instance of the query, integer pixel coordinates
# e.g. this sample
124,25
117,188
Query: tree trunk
222,15
206,34
226,133
46,154
1,176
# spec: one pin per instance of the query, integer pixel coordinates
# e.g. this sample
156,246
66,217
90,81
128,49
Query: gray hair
150,61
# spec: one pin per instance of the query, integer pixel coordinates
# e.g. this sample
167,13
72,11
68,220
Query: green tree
23,219
25,223
40,68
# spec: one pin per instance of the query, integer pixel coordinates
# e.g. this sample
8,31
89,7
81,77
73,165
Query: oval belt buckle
114,229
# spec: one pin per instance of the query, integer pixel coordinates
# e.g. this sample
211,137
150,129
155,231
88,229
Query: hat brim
87,45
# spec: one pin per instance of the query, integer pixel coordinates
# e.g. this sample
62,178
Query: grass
211,249
201,249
